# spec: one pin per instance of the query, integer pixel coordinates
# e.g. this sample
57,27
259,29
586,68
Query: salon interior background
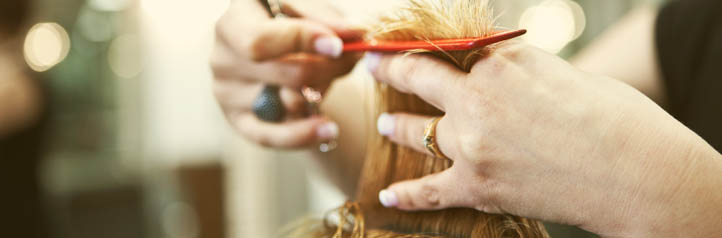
139,147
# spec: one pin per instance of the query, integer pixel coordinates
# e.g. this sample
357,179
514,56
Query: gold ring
430,138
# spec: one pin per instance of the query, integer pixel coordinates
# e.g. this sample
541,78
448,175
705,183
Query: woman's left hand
530,135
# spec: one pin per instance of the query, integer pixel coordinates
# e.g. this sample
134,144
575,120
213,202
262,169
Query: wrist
686,198
668,180
699,199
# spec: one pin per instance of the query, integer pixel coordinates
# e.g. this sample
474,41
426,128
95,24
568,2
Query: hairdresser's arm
253,50
626,51
533,136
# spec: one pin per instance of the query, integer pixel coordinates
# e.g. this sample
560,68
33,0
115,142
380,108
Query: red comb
434,45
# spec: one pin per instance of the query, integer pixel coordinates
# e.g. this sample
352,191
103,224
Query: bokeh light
553,24
109,5
46,45
94,25
124,56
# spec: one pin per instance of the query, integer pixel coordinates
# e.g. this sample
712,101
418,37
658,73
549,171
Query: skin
252,50
535,136
534,129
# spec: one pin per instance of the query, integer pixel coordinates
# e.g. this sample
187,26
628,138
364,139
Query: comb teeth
434,45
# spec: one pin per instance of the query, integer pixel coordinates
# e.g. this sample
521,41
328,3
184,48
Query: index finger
250,32
432,79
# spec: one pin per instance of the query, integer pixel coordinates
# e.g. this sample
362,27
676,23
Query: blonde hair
387,162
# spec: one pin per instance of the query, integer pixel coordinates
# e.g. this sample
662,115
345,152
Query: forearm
694,206
680,187
658,177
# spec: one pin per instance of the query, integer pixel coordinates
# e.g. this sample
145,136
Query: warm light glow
109,5
179,11
177,19
46,45
124,56
94,25
580,19
553,24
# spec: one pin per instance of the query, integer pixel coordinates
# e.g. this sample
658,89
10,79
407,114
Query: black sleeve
689,46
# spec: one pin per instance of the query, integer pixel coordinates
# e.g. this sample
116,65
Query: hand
532,136
253,50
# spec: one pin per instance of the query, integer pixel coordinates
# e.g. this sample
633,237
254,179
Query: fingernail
385,124
388,198
328,130
330,46
372,61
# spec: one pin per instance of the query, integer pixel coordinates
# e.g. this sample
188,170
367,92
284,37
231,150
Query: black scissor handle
268,105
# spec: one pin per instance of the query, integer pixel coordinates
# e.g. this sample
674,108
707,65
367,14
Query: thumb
284,36
432,192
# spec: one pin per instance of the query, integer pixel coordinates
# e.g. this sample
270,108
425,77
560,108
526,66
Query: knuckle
429,195
489,192
297,31
512,46
220,27
491,67
464,147
298,75
263,141
219,91
520,53
400,130
401,70
255,48
409,71
471,146
217,65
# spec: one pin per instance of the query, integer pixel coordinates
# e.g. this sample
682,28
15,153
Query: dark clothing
689,44
20,188
21,203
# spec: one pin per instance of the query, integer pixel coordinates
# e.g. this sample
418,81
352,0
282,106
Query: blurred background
123,137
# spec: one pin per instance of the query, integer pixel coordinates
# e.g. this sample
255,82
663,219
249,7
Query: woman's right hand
530,135
253,50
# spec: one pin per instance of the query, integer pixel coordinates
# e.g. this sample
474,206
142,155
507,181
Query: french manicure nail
388,198
372,61
327,131
330,46
385,124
